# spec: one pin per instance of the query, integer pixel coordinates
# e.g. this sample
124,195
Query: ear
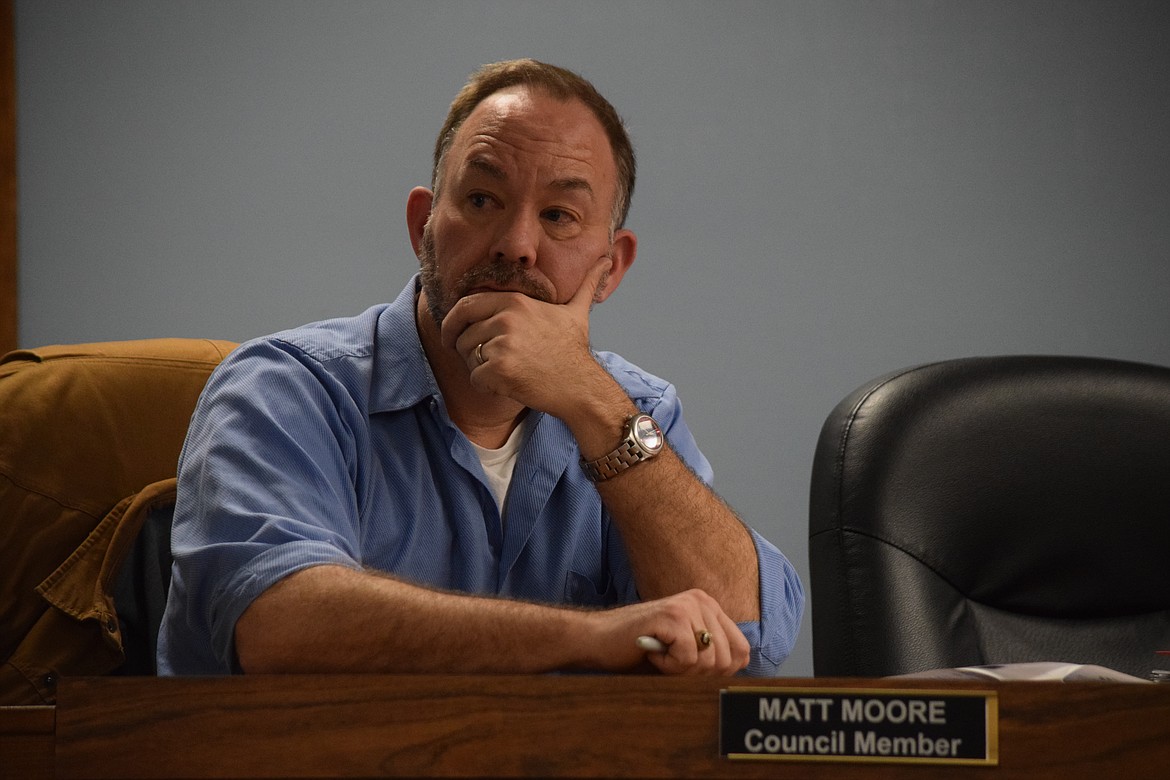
418,211
622,252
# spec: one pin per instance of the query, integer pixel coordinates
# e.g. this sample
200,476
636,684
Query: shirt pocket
583,591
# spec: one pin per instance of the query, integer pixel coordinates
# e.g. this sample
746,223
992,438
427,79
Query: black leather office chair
994,510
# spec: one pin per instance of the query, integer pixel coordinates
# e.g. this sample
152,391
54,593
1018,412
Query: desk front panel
545,726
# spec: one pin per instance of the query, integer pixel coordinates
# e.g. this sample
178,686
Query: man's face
524,202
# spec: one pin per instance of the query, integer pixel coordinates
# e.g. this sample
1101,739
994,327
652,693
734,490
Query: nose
517,240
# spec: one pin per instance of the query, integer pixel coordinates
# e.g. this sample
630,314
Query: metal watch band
629,453
626,455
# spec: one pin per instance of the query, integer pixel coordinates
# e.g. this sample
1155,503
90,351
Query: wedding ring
479,358
703,638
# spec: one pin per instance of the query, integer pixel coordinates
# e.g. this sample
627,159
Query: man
456,482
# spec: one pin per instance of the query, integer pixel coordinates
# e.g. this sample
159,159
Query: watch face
647,432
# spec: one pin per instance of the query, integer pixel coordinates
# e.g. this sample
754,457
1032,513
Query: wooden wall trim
9,298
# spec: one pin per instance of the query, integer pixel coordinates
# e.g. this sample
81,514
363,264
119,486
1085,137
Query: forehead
529,131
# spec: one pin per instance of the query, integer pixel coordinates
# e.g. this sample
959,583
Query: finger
469,340
659,653
455,323
712,656
738,648
466,312
728,650
714,653
679,662
587,292
680,653
478,356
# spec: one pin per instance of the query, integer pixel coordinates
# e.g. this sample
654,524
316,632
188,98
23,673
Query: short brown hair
560,83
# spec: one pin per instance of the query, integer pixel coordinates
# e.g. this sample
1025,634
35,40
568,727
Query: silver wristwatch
643,441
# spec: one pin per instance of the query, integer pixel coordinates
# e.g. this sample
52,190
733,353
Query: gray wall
828,191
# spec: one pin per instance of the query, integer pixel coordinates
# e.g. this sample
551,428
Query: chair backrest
994,510
89,444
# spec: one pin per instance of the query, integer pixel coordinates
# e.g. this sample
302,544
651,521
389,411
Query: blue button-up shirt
331,444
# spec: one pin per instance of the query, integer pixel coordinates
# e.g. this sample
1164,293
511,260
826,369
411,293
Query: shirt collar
402,376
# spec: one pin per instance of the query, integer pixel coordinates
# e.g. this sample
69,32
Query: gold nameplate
908,726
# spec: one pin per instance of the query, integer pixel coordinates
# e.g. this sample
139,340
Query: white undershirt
498,464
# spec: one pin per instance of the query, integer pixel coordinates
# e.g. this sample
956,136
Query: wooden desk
545,726
26,743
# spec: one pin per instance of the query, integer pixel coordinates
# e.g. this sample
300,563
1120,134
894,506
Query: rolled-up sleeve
781,608
266,488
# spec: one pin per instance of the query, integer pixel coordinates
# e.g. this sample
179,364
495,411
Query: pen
651,644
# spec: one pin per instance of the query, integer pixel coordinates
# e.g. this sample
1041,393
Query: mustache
506,275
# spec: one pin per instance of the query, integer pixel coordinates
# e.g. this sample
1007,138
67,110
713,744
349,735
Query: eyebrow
490,170
573,183
566,184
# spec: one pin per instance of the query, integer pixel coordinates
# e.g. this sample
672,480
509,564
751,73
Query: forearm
334,619
679,534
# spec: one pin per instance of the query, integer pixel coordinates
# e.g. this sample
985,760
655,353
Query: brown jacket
89,441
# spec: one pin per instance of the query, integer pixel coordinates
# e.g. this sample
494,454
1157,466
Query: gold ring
703,638
479,358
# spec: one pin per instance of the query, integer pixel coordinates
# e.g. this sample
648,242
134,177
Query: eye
477,200
558,216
